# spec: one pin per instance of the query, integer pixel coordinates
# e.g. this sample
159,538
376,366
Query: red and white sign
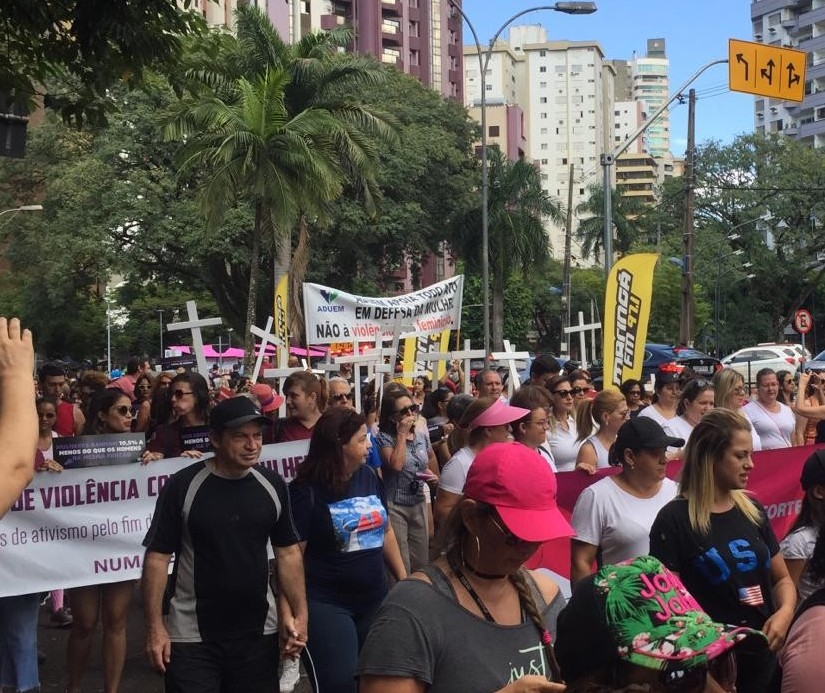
802,321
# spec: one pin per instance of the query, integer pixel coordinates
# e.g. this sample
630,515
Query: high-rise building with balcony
795,24
650,83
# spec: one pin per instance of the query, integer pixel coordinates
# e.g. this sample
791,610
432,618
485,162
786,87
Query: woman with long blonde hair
607,411
718,539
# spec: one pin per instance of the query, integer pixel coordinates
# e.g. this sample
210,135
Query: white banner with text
86,526
337,316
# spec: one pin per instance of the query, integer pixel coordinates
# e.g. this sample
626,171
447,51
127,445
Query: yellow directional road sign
766,70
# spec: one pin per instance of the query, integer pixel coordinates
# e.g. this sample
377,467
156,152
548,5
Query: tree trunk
296,280
252,297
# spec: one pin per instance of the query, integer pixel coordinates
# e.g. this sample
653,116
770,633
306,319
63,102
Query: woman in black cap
612,517
717,538
666,391
798,545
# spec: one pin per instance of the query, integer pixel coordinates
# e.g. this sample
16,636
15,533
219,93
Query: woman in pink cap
475,619
487,420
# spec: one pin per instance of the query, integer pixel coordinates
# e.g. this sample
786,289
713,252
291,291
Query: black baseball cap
813,471
641,433
235,412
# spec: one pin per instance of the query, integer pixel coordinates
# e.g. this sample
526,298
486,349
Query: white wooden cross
267,337
436,357
581,328
194,324
510,356
467,355
371,358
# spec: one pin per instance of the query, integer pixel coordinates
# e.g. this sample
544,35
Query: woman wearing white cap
487,420
475,620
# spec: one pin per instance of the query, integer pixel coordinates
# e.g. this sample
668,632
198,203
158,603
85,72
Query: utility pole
568,241
686,322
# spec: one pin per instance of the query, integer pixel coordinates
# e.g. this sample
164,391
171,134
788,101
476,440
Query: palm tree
518,208
323,142
590,231
253,150
320,79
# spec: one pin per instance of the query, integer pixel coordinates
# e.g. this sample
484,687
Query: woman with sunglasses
718,539
580,385
142,405
608,411
340,513
408,462
563,434
633,391
475,619
110,411
729,393
612,517
787,387
188,397
696,400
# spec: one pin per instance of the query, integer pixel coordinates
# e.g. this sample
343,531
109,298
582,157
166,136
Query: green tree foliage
82,49
590,231
518,208
518,319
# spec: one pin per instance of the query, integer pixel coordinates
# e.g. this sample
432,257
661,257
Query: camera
436,433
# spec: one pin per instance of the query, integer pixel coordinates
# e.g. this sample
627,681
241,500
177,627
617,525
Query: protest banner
281,315
337,316
196,438
774,482
98,450
85,526
415,348
627,300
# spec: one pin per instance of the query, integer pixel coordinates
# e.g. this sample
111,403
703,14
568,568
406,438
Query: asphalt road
137,676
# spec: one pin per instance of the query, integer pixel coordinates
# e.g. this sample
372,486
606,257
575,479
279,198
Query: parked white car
750,361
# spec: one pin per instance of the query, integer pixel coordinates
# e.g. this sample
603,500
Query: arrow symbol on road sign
768,74
741,59
793,78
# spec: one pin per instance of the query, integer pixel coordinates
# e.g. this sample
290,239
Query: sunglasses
180,394
563,393
510,539
581,390
411,409
341,397
123,410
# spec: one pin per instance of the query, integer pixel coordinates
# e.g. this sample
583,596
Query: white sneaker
290,674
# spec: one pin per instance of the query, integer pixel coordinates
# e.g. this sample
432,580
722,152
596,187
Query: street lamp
717,290
14,211
108,339
483,63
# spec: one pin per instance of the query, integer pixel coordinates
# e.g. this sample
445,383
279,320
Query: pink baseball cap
267,397
520,485
497,414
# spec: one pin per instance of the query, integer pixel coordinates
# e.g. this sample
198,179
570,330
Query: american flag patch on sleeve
752,596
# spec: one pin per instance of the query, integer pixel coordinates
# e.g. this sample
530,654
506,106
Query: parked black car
659,354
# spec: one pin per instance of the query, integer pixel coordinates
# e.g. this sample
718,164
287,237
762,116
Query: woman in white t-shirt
607,411
729,393
487,420
696,400
666,390
563,434
612,518
531,429
774,422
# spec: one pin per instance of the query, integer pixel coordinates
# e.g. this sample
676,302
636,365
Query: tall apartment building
650,83
797,24
420,37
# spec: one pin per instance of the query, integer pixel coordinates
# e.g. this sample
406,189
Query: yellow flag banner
626,316
415,347
281,307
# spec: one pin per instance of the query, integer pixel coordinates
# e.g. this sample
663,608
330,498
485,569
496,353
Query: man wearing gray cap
217,517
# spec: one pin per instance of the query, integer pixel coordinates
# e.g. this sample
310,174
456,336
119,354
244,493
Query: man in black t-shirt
217,517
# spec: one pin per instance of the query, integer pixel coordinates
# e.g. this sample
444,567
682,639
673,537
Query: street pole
483,64
108,340
568,240
686,322
160,328
607,160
